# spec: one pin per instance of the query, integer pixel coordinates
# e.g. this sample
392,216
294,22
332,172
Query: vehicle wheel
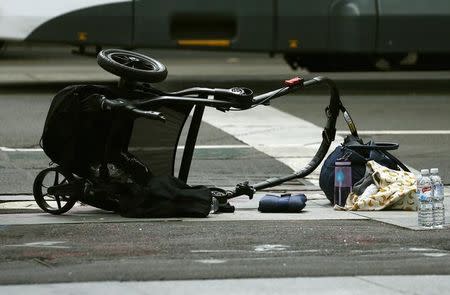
54,204
2,46
131,65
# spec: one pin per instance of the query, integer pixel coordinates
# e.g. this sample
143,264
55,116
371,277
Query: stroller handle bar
125,106
236,98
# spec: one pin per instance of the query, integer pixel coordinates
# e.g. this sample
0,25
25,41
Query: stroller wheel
219,194
132,66
52,203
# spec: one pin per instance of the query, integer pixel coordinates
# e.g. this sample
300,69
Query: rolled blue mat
282,204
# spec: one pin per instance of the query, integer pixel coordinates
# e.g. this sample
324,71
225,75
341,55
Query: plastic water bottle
425,197
342,181
214,205
438,199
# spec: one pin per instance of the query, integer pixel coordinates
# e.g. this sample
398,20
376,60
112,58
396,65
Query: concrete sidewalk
367,285
317,208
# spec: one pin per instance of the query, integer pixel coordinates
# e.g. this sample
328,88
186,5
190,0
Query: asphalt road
403,118
406,118
22,117
205,250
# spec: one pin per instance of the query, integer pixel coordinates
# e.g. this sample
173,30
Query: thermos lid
343,163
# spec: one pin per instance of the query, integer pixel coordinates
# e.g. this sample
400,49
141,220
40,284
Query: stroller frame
222,99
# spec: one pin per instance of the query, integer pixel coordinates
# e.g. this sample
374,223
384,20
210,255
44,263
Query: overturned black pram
88,134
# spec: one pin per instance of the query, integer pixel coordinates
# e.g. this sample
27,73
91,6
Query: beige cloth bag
394,190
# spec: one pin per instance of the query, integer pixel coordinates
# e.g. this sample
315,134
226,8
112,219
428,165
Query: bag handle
395,160
382,146
384,152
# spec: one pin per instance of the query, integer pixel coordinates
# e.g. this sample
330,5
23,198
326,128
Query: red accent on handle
293,82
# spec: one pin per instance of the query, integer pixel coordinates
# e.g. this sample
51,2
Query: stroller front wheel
51,202
132,65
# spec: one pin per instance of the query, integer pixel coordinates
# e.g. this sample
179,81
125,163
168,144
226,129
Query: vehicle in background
319,35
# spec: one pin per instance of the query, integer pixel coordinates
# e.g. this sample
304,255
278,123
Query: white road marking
398,132
435,254
19,205
218,251
42,244
261,126
414,249
429,252
289,139
271,248
26,150
212,261
260,248
206,147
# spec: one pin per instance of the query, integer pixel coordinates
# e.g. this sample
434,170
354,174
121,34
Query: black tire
50,203
131,65
2,47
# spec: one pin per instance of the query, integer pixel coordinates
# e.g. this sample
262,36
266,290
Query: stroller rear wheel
52,203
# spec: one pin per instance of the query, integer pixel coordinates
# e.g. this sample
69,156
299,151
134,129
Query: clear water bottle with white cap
214,205
425,197
438,199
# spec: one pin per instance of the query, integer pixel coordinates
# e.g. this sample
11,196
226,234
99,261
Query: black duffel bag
165,196
160,197
358,153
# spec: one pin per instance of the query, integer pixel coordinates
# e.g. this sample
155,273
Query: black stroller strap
328,136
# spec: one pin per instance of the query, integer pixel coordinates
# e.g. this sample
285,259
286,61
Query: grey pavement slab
406,219
366,285
318,208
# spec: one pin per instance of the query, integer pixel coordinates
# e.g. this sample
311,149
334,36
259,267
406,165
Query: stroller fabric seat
79,139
